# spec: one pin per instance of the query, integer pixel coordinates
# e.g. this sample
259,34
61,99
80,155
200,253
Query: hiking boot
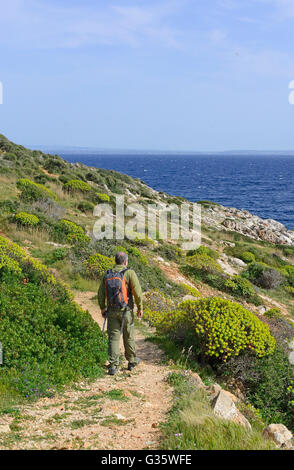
112,371
131,366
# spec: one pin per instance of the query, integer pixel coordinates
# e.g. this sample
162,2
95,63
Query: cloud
41,24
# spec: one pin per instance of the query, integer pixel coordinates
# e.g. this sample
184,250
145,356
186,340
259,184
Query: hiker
118,289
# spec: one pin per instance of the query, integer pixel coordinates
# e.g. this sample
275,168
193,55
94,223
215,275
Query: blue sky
148,74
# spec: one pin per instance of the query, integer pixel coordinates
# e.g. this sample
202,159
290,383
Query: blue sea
262,184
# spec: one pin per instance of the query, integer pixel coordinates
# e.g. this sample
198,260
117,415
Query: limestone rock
237,262
213,391
224,407
196,380
262,309
279,434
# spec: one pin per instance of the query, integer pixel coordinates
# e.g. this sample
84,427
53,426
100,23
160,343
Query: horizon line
69,148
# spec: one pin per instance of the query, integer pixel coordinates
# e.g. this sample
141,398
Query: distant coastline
102,151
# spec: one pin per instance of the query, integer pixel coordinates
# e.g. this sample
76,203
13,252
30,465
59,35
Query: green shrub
266,382
58,254
66,230
264,276
101,197
23,218
156,301
204,250
240,287
169,251
204,263
9,206
47,339
247,257
289,273
191,290
31,191
86,206
67,227
274,312
222,328
77,185
77,238
289,290
97,264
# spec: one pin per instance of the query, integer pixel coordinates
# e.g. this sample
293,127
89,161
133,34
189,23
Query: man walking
118,289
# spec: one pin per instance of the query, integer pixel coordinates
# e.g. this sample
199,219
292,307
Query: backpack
116,290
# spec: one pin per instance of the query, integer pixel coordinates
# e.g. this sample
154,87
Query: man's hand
103,312
140,313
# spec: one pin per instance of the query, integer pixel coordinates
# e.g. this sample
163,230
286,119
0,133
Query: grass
57,418
181,357
116,394
80,423
114,421
193,426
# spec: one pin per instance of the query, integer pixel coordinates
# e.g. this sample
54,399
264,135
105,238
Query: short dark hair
121,257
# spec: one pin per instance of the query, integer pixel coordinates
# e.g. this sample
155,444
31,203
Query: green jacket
133,286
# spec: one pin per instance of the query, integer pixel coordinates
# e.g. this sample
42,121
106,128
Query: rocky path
121,412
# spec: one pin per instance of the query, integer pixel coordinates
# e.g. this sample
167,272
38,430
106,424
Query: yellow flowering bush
226,328
191,290
77,185
16,260
31,191
97,264
102,197
9,256
23,218
67,227
222,328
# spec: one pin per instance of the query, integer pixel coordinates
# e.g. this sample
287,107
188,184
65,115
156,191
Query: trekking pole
105,318
123,322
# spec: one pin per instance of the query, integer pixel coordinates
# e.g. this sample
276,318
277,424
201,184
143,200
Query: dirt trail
120,412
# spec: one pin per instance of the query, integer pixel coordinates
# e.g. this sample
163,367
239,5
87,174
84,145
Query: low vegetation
46,206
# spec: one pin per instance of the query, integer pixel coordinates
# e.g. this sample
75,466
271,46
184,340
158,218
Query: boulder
237,262
224,407
195,380
281,435
262,309
215,389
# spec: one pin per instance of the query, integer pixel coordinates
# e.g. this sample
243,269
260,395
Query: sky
203,75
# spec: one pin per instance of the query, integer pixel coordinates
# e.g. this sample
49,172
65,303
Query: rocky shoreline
245,223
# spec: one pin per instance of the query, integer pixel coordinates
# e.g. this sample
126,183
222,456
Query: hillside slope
46,208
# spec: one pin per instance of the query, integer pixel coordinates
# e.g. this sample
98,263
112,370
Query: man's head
121,258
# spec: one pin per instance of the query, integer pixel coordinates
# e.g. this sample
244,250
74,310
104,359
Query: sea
261,184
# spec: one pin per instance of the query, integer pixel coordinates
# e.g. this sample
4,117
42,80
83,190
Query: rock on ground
224,407
281,435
